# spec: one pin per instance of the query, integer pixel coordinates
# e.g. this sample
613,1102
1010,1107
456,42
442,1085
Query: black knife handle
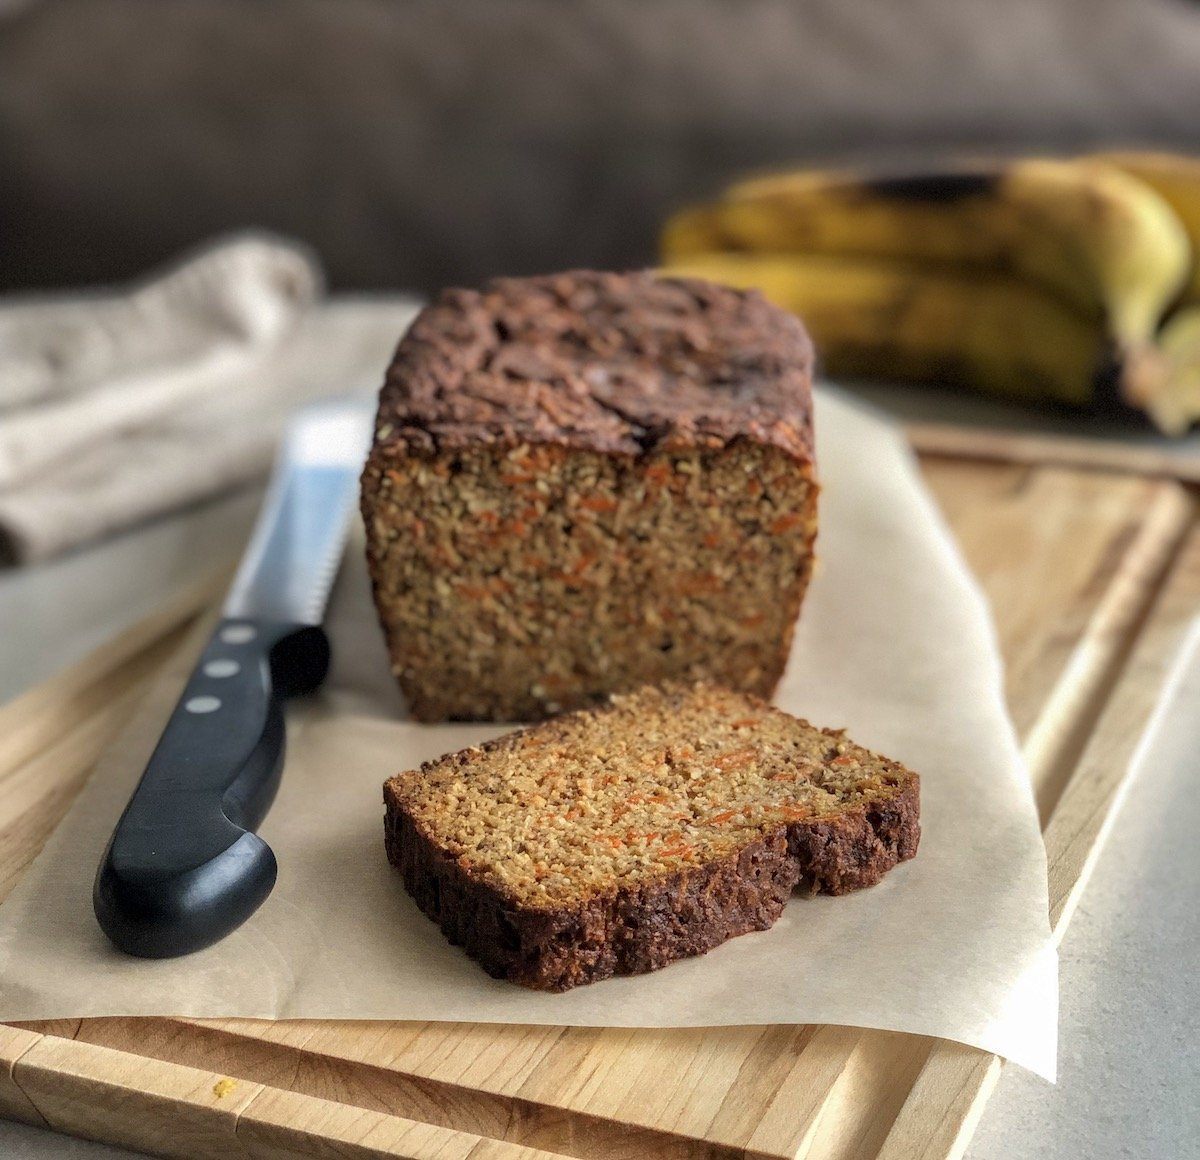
184,867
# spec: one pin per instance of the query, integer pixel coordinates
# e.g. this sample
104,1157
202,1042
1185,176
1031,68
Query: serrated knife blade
184,866
292,556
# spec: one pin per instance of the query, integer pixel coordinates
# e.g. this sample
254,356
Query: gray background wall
419,142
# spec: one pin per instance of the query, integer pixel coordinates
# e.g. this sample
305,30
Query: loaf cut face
614,841
586,482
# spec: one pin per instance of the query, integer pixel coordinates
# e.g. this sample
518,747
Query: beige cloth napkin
118,407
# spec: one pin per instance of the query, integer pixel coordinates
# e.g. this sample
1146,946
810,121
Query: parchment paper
895,644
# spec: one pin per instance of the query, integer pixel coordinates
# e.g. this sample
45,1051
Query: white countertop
1129,1070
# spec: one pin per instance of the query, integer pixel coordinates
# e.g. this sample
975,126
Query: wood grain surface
1164,458
1092,576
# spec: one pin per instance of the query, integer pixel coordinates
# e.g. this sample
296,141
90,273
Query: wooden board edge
282,1124
944,1106
514,1115
170,1109
1085,812
1056,740
119,1098
949,1096
1007,445
14,1103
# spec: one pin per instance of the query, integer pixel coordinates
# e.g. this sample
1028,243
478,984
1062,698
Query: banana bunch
1035,279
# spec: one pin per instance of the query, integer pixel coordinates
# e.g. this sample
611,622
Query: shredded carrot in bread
598,503
785,523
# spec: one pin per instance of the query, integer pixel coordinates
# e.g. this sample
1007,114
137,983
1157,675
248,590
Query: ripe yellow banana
1101,239
889,320
1176,180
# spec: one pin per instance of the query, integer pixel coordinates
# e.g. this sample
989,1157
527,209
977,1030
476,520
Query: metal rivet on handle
238,634
221,668
202,704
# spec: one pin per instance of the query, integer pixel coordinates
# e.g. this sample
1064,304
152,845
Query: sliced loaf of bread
583,483
613,841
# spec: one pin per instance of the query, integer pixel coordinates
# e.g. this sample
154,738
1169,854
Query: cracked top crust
616,363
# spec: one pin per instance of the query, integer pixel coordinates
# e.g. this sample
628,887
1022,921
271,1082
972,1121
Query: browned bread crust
584,482
601,362
556,907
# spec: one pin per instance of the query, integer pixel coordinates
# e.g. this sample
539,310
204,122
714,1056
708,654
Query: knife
184,867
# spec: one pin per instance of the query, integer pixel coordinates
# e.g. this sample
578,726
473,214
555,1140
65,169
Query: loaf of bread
585,482
613,841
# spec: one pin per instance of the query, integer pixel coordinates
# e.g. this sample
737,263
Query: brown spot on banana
948,186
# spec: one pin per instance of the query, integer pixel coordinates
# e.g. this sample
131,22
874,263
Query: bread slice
614,841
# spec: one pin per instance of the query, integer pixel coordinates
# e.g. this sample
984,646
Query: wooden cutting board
1092,576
